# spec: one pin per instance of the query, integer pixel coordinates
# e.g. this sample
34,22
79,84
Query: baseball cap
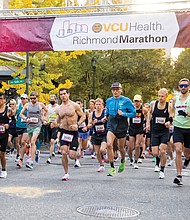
116,85
24,96
137,97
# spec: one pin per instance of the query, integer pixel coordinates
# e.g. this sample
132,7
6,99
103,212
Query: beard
184,91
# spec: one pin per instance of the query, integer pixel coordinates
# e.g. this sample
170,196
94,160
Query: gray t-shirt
35,114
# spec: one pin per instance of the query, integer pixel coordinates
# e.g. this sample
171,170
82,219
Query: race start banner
137,31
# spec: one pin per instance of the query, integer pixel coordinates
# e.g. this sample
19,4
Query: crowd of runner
113,130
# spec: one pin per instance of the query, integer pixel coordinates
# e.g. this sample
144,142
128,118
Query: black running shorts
182,135
159,138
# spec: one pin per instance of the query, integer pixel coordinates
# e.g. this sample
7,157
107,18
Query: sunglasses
33,98
183,86
23,98
1,98
136,101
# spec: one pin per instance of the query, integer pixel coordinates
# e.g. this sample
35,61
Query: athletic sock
186,162
162,169
157,161
112,164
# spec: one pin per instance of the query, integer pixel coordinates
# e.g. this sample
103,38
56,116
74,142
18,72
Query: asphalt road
40,193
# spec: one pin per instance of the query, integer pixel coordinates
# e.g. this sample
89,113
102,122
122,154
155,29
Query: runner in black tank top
136,130
99,126
160,114
5,113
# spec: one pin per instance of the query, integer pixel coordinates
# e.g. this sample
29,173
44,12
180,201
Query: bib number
67,137
34,120
82,125
136,120
160,120
51,119
99,128
2,129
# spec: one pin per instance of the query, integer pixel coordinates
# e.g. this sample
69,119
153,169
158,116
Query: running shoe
156,169
53,154
131,163
178,181
65,177
93,156
11,153
116,157
19,164
101,169
121,167
3,174
30,165
17,158
111,172
185,164
170,162
77,164
48,160
37,157
161,175
143,156
154,159
136,166
139,160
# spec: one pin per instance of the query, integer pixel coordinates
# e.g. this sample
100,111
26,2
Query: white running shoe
77,164
161,175
101,169
3,174
48,160
65,177
157,169
136,166
93,156
139,160
17,158
170,163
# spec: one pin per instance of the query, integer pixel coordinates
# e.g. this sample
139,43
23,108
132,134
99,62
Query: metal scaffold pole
128,8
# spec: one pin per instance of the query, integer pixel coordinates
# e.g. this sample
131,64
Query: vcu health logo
71,28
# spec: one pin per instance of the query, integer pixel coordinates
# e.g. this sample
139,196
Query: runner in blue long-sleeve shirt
118,109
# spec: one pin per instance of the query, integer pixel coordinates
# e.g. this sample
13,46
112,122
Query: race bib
82,125
51,119
34,120
67,137
136,120
160,120
171,128
99,128
2,129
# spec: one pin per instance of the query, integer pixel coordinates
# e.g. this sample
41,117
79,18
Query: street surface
40,193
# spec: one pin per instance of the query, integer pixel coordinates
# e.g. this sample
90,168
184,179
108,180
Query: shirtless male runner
67,120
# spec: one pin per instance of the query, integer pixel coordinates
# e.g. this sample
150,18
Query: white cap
24,96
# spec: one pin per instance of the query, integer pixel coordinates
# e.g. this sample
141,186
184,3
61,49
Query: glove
181,112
